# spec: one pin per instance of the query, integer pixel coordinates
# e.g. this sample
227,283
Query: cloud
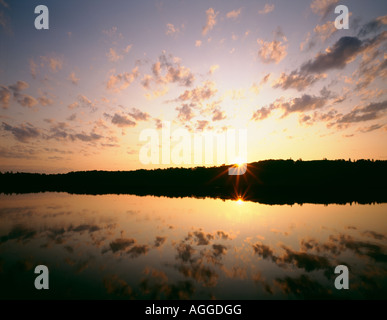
344,51
5,97
201,125
270,52
218,115
172,30
122,121
372,111
55,63
113,55
23,133
211,21
121,81
166,70
326,30
267,9
213,68
234,14
371,128
257,88
200,93
73,78
261,113
33,68
373,26
296,80
45,101
85,102
139,115
19,86
185,112
198,43
85,137
323,7
300,104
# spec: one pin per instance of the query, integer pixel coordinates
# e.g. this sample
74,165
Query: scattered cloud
198,43
22,133
211,21
234,14
373,26
122,121
267,9
274,51
73,78
296,80
138,115
323,7
121,81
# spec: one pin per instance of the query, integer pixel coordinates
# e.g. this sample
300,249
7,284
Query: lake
132,247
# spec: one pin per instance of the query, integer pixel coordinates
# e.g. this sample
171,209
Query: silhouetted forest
268,181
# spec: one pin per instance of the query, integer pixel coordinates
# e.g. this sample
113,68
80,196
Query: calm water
130,247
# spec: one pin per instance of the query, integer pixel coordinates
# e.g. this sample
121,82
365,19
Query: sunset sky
77,96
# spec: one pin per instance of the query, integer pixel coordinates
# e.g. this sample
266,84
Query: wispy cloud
211,21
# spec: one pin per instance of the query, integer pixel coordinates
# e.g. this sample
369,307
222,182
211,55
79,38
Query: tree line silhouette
268,181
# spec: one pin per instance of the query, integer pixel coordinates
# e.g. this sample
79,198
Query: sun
239,162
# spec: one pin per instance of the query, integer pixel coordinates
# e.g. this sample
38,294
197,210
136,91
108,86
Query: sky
77,96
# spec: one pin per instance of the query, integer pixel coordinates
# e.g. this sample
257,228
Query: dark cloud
300,104
85,137
139,115
23,133
373,26
122,121
341,53
372,111
296,80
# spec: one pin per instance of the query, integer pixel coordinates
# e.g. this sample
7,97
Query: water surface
132,247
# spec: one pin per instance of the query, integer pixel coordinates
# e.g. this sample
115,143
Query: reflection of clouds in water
20,233
138,250
116,286
303,287
159,241
156,286
375,235
370,279
197,256
121,244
